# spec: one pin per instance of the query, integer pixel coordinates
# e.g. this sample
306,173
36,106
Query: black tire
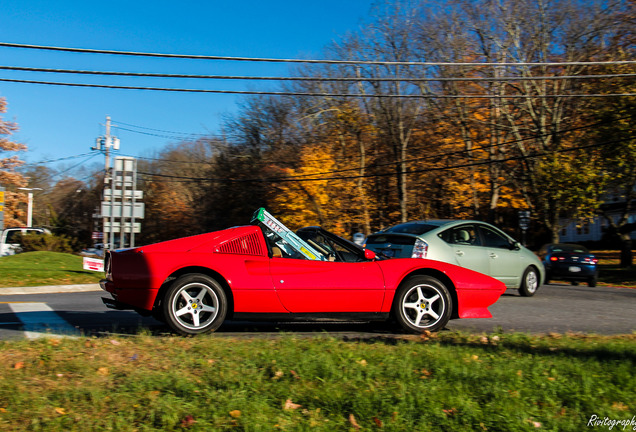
591,282
529,282
194,304
422,303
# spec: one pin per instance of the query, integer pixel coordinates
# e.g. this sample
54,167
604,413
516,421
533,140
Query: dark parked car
569,262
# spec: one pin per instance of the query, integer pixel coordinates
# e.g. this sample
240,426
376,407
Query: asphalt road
555,308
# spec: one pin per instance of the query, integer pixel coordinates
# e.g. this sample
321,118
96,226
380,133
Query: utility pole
104,143
121,202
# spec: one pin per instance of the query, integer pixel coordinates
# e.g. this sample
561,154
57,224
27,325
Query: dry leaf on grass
289,405
188,421
353,421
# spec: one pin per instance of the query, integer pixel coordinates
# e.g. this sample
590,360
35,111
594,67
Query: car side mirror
369,254
515,246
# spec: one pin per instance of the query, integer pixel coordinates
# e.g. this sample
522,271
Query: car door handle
460,253
493,255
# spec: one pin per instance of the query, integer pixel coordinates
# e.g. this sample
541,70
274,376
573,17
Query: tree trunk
626,250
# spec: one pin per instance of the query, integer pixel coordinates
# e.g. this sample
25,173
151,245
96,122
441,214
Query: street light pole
30,205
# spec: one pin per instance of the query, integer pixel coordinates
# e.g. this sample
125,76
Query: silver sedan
472,244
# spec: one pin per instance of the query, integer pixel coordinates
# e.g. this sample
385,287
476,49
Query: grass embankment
441,382
44,268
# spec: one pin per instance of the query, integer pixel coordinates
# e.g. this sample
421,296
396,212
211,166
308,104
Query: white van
9,240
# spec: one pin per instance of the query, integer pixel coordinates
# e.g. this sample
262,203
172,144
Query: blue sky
57,122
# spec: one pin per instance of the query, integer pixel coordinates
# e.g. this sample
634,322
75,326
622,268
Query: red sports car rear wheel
194,303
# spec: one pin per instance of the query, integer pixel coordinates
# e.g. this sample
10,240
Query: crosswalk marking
40,320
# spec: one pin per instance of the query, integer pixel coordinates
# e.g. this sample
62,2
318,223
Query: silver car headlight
420,249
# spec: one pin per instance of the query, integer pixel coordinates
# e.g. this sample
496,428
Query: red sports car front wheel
422,303
194,303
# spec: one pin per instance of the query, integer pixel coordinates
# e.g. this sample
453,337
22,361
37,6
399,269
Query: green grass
44,268
441,382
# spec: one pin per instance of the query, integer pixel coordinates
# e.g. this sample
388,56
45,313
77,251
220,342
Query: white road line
41,321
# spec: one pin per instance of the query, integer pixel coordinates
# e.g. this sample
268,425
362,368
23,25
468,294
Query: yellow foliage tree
310,195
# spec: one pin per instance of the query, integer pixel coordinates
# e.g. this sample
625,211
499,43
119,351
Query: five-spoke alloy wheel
194,303
422,303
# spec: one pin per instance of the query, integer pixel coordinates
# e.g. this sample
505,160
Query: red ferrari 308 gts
266,271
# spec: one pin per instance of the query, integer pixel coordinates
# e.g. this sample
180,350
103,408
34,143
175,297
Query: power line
175,136
437,156
44,162
280,60
482,148
196,162
346,95
354,177
315,79
155,130
75,166
410,160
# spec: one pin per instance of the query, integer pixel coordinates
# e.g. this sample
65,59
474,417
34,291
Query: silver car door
503,258
466,247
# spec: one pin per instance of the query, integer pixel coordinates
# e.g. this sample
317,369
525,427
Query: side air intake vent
246,245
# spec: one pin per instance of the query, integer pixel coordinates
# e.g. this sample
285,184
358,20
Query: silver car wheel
194,304
529,282
424,304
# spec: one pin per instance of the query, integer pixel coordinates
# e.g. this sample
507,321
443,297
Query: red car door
305,286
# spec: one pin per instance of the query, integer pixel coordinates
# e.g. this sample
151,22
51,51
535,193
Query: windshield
335,248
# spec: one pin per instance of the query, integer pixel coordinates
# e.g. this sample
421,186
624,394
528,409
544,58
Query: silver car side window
461,235
494,239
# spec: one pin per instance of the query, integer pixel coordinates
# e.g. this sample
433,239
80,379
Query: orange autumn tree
474,187
309,195
351,135
474,168
9,177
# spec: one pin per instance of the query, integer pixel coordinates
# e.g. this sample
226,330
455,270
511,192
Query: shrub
45,242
